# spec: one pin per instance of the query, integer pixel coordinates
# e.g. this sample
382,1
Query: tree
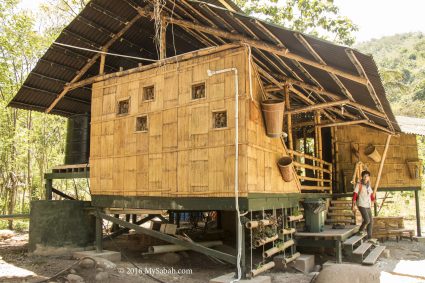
315,17
20,140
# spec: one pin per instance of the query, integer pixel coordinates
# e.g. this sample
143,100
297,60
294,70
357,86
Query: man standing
363,197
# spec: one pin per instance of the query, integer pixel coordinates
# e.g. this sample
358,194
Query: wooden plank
362,249
349,221
340,214
353,240
374,255
339,208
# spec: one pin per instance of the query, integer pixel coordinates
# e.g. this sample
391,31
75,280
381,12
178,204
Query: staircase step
340,215
374,255
362,249
349,221
340,208
341,201
353,240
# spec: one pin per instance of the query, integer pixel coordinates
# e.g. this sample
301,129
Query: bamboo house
201,103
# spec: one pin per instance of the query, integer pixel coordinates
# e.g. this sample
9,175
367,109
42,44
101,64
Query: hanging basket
273,110
414,168
286,169
372,153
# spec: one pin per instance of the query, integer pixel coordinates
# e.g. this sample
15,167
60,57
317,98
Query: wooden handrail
297,164
297,153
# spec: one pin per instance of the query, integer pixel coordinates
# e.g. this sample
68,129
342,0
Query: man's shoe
362,233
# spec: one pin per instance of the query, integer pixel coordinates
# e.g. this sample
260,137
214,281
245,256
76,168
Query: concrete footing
227,278
304,263
108,255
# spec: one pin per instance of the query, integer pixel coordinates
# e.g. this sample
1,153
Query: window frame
147,123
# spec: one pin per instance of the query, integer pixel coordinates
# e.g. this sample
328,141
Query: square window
123,107
219,119
148,93
142,124
198,91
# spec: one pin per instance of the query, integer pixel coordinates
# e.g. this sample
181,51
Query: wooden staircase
340,213
357,250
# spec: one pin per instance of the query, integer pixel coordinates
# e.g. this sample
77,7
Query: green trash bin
314,213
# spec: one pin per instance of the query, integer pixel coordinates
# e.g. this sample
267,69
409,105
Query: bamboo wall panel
395,172
181,154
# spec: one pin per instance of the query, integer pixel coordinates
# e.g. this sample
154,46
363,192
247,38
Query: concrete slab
108,255
419,239
304,263
227,278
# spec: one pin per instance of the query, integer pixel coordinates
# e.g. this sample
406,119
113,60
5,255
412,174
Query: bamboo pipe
295,217
292,258
277,249
255,224
381,166
287,231
263,268
262,242
177,248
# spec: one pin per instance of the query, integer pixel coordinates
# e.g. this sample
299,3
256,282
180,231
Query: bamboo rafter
369,85
92,61
255,43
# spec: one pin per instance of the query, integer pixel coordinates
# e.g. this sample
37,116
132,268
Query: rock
72,271
345,273
87,263
74,278
102,276
386,253
99,269
105,264
170,258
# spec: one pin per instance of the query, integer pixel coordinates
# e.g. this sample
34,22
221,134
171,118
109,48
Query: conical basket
273,110
414,168
372,153
286,169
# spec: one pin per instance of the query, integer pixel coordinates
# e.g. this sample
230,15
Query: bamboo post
318,144
102,64
163,40
381,166
289,119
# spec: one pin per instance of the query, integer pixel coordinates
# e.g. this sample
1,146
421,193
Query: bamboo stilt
381,166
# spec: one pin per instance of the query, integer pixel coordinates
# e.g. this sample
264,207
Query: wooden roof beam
317,106
257,44
345,123
294,90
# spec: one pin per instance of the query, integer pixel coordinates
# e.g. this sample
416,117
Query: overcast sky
375,18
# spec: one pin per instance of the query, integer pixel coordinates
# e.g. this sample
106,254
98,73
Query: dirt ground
17,265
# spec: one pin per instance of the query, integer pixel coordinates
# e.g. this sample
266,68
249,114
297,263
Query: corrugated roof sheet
411,125
101,19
